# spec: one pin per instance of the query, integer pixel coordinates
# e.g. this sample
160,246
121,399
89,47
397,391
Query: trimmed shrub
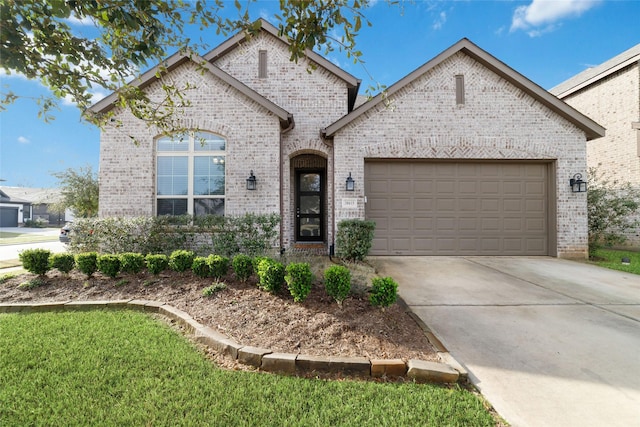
354,238
337,281
270,275
64,263
157,263
87,263
35,261
298,280
131,262
200,267
219,265
109,265
181,260
242,267
384,291
255,263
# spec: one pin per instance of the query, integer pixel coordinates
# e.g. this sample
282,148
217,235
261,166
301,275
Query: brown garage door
467,208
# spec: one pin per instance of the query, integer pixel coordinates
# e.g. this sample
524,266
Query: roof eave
598,77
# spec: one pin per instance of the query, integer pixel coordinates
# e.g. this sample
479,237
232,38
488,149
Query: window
190,174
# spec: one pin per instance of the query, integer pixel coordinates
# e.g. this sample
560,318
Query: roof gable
592,129
593,75
353,83
179,58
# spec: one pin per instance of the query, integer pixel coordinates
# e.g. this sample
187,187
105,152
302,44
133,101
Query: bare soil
243,312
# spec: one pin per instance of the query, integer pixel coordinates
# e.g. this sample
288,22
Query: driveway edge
445,356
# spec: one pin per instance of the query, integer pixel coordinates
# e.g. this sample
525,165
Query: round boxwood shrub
181,260
200,267
157,263
35,261
298,280
384,291
64,263
270,275
337,281
87,263
109,265
242,267
219,265
131,262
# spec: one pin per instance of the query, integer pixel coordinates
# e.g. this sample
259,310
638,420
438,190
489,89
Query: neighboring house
13,211
610,94
464,156
19,204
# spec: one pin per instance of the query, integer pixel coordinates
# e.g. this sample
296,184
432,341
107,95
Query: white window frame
191,139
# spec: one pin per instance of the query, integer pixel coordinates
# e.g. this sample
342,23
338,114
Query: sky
547,41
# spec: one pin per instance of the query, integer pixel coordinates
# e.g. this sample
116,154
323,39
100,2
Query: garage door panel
379,187
467,208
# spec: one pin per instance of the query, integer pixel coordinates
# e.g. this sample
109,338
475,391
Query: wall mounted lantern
577,184
351,184
251,181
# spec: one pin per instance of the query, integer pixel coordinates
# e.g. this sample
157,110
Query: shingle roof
592,75
32,195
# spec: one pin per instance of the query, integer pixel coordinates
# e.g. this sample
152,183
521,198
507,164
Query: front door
310,205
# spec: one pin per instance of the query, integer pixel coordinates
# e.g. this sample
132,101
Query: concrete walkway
548,342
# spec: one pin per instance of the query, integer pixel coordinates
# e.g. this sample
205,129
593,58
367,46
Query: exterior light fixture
351,184
577,184
251,181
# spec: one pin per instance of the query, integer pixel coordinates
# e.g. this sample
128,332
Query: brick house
610,94
464,156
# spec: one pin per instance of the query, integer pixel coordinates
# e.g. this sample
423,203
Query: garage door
446,208
8,217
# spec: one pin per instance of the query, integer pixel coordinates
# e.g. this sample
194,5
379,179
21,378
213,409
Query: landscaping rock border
289,363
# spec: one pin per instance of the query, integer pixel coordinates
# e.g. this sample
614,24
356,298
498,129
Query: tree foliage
40,40
611,206
79,191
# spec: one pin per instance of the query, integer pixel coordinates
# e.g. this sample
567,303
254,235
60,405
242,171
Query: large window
190,174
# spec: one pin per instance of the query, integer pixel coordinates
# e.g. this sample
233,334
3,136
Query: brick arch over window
190,174
308,161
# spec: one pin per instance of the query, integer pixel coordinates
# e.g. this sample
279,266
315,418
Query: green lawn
7,238
613,259
113,368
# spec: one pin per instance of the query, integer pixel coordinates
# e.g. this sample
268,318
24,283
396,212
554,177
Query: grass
113,368
612,258
7,238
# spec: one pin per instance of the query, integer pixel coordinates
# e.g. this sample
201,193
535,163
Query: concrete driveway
548,342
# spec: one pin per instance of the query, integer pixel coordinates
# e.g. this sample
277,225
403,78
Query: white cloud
23,140
543,16
83,22
442,18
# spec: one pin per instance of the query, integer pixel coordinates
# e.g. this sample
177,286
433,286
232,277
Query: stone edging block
388,367
279,362
252,356
265,359
431,371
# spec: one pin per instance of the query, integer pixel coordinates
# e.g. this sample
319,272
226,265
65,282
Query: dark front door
310,205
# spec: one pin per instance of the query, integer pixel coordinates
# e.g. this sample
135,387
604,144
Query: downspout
325,140
291,125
